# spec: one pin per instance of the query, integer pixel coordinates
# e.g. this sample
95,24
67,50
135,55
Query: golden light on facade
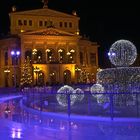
60,50
77,33
52,74
99,69
72,50
34,51
68,53
21,30
6,71
48,50
77,69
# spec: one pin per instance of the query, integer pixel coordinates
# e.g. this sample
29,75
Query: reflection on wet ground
18,123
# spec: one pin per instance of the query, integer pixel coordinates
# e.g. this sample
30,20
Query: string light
62,95
79,94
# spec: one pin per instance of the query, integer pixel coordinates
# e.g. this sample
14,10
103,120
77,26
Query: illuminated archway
40,78
28,54
53,78
67,77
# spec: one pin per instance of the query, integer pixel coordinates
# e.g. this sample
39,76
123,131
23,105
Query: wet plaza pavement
25,124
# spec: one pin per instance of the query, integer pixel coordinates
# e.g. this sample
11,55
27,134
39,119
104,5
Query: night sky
101,22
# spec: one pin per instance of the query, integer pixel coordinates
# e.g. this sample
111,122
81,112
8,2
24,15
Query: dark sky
101,22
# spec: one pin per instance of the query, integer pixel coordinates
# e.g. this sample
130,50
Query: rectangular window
30,22
93,59
19,22
6,58
81,58
40,23
51,23
65,24
25,22
61,24
45,23
70,24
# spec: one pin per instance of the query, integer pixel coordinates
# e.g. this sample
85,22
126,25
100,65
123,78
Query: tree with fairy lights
84,77
26,74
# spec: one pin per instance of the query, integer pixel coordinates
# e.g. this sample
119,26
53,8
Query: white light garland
96,89
122,79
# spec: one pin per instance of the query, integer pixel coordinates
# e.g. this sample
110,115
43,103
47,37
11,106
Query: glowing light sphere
79,94
101,99
62,95
122,53
96,88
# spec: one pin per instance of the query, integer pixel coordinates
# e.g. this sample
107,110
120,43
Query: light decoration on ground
79,93
122,53
122,78
97,91
62,95
96,88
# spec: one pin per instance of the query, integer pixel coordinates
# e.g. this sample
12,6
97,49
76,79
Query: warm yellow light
99,69
48,50
34,51
21,30
6,70
77,33
60,50
68,53
77,69
72,51
36,69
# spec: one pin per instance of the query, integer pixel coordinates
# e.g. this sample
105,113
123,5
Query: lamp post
15,54
6,71
36,70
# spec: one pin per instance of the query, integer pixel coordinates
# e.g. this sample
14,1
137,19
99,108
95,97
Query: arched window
61,55
28,54
34,55
71,56
40,78
39,56
67,77
53,78
50,55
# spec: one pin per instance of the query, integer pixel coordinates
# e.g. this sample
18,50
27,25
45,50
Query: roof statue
45,3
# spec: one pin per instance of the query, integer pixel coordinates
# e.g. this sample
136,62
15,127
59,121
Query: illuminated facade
51,40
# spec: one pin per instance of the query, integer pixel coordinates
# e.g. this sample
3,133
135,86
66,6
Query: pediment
44,12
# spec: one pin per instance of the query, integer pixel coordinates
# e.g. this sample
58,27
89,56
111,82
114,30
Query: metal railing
95,104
